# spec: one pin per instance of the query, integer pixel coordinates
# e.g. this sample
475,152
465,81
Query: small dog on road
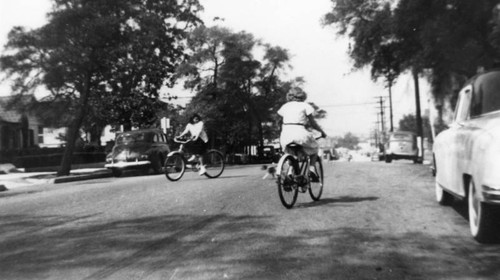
270,171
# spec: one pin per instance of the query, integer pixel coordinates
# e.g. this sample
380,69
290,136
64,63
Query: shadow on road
342,199
221,246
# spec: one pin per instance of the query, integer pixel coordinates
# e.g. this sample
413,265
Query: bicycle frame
181,151
295,175
304,162
214,163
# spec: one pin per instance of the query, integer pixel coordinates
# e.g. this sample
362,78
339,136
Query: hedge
55,159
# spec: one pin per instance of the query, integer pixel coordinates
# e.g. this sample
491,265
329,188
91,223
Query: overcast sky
318,55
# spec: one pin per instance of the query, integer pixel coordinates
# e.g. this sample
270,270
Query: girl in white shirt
199,140
296,115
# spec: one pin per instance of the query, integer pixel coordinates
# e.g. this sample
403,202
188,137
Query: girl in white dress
296,115
199,140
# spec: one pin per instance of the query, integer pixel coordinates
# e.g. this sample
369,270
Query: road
375,221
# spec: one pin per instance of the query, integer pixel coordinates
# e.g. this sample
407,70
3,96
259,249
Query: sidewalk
12,178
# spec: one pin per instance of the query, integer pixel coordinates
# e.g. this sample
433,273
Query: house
18,129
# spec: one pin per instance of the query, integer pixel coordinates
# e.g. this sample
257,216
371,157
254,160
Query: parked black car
142,149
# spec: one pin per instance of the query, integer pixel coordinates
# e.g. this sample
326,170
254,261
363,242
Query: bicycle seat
295,149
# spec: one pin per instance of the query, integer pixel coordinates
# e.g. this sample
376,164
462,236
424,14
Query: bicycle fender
280,162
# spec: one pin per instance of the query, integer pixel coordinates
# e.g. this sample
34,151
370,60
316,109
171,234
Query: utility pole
382,119
390,106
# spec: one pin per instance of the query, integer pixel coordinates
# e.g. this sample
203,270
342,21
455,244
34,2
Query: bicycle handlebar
180,141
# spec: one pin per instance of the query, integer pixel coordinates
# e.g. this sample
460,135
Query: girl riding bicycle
199,140
297,116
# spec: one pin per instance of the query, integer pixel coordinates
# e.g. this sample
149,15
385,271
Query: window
486,96
40,135
464,104
401,137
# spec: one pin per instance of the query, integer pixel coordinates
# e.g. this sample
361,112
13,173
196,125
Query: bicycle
176,163
297,174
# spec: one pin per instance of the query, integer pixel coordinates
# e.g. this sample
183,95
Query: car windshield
128,138
486,94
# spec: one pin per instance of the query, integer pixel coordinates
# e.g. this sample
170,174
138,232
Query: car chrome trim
122,164
491,195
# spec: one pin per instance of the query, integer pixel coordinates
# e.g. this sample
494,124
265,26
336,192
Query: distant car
330,154
466,156
402,145
268,154
142,149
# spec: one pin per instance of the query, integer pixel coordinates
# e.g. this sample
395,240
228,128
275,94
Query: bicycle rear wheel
316,180
214,163
287,188
175,166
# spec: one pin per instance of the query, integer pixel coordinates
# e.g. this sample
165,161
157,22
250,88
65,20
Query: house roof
10,115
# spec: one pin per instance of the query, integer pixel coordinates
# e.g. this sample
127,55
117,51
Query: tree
447,40
349,141
111,55
409,123
236,93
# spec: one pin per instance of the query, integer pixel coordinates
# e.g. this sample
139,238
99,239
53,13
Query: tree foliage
448,38
409,123
348,141
110,58
237,93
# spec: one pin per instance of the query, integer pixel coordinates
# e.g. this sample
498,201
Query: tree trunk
74,130
420,129
418,116
95,135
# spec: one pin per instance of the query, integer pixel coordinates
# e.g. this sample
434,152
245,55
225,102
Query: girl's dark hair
191,120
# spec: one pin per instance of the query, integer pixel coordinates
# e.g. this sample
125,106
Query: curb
95,175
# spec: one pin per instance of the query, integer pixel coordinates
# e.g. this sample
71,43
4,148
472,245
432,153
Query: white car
467,156
402,145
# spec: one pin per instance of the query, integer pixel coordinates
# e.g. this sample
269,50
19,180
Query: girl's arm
315,125
186,130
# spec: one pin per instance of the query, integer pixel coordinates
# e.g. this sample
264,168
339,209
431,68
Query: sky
318,55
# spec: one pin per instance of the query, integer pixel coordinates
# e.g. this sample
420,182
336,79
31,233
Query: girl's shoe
203,170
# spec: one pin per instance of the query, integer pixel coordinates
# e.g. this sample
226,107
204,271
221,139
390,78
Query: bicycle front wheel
316,180
214,163
287,188
175,166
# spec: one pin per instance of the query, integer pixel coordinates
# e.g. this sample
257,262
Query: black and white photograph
257,139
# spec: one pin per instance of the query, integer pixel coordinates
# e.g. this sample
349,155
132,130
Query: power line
349,104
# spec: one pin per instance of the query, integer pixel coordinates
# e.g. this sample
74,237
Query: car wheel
388,159
117,172
156,164
482,217
442,196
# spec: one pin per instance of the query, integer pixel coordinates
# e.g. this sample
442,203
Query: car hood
489,124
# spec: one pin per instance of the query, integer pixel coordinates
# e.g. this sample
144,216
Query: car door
450,151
